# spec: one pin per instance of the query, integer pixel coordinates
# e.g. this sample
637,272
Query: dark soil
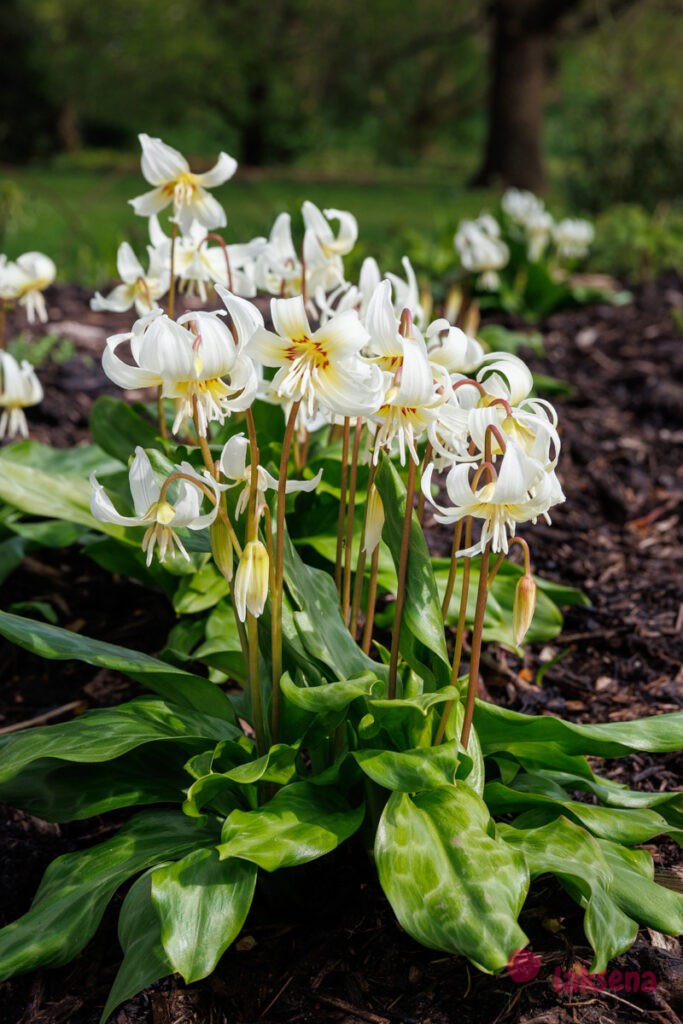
315,953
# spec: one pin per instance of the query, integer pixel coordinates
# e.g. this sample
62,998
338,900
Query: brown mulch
317,953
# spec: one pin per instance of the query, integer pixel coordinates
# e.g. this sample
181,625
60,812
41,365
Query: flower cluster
24,280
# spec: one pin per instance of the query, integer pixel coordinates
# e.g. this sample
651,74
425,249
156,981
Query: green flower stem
460,630
452,571
475,655
350,516
255,683
342,505
362,557
401,579
276,603
372,600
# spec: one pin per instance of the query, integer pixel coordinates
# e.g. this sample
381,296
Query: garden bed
340,956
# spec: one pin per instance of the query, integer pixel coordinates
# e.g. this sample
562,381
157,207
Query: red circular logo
524,965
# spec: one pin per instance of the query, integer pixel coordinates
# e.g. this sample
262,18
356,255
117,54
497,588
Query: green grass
79,215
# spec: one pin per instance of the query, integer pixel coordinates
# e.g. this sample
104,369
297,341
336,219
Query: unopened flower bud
221,548
523,607
251,580
375,521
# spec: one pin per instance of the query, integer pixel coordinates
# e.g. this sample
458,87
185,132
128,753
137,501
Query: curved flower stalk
138,288
234,467
155,510
481,250
24,280
19,388
169,171
410,401
321,369
198,365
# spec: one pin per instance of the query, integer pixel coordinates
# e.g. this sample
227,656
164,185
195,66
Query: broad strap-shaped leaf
312,713
184,688
117,427
106,733
410,771
569,852
58,791
452,885
501,729
301,823
144,960
422,641
636,892
77,887
202,903
79,461
409,721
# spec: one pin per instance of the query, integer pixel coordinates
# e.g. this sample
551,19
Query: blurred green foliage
637,246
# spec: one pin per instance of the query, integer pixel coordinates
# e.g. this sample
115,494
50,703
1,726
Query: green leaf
185,688
144,960
567,851
204,589
118,427
638,895
81,460
202,903
410,771
277,766
57,791
301,823
11,556
409,721
423,644
77,887
501,729
452,885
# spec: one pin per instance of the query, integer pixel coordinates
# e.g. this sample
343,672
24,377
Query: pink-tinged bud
405,327
523,607
251,580
221,548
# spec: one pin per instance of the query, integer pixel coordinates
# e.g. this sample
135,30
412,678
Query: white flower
250,590
573,238
169,171
451,348
506,376
138,288
278,268
24,281
319,227
20,388
481,249
161,516
233,466
528,213
199,365
520,492
196,262
319,368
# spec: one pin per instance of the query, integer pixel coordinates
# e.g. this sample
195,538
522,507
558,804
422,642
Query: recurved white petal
224,168
161,162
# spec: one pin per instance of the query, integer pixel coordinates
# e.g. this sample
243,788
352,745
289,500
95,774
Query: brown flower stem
161,416
496,566
362,556
475,655
255,684
401,580
276,602
342,505
350,517
224,245
460,630
422,496
372,599
452,572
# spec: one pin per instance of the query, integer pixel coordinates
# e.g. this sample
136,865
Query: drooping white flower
573,238
24,281
195,361
317,224
162,516
138,288
278,268
233,465
520,492
320,368
19,388
505,375
481,249
197,263
169,171
528,214
451,348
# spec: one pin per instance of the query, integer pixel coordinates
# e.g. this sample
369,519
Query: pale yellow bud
221,548
523,607
375,521
250,589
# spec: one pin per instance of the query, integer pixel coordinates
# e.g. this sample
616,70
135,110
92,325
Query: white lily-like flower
319,368
138,288
234,467
169,171
573,238
521,492
505,375
160,515
24,281
481,249
407,293
196,263
198,365
278,268
410,401
528,214
19,389
532,426
317,223
449,347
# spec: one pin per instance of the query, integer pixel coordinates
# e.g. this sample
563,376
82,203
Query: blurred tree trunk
69,127
524,35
